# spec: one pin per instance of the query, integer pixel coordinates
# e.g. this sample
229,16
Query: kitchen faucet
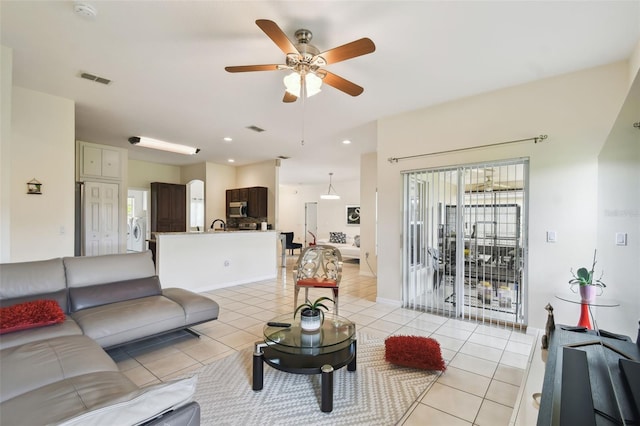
224,225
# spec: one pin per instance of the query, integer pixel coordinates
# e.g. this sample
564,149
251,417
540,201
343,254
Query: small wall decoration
353,215
34,187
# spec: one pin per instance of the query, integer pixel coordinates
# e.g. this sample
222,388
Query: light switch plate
621,238
551,236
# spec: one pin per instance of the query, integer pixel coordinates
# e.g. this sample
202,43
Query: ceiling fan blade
341,84
288,97
348,51
273,31
247,68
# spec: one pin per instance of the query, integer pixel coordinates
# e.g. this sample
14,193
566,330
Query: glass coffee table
293,350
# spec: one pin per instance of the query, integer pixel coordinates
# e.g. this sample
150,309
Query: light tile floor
485,364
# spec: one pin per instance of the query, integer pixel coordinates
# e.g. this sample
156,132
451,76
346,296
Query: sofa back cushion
26,281
91,270
103,294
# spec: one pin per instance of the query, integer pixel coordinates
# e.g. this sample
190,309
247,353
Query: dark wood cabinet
257,202
168,207
256,198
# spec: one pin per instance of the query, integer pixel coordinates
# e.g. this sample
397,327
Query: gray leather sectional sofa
60,374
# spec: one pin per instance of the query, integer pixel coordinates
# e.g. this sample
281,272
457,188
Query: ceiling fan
307,62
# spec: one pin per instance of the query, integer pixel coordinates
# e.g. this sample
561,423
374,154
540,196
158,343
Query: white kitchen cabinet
98,162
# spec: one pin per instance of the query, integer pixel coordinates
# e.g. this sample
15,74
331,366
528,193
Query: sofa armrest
197,308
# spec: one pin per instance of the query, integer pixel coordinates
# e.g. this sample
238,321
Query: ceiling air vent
95,78
255,129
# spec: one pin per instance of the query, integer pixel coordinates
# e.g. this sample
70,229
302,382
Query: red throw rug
414,351
29,315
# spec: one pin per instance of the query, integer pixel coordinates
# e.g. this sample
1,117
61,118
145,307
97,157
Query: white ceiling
166,60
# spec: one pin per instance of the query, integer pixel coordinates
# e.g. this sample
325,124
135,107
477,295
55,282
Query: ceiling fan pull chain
302,92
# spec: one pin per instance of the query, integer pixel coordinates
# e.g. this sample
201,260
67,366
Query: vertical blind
464,241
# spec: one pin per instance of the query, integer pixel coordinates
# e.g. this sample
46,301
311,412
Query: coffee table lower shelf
324,364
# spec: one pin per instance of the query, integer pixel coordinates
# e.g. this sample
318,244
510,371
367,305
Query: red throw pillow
414,351
33,314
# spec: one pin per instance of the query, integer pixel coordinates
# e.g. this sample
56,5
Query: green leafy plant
315,306
585,276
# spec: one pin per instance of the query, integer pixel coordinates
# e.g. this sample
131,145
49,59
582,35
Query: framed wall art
353,215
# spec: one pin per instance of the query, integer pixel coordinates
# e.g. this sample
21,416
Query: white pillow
139,406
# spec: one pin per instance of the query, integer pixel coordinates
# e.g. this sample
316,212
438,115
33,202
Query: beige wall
368,188
6,83
619,212
265,174
219,179
142,173
42,226
576,111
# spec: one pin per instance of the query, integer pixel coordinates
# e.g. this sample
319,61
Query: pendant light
329,195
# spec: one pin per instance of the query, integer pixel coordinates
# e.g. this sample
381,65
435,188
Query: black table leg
352,364
258,367
326,405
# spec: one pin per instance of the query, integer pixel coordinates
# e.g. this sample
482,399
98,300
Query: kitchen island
203,261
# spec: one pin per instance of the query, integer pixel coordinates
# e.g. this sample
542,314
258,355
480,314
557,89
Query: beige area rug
377,393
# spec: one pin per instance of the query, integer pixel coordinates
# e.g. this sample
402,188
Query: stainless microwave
238,209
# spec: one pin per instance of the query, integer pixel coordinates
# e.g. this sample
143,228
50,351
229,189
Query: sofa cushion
68,328
23,316
25,281
122,322
90,270
63,399
36,364
197,308
102,294
138,406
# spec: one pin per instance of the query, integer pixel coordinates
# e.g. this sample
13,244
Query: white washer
129,234
138,234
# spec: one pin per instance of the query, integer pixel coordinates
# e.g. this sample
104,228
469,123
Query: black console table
584,383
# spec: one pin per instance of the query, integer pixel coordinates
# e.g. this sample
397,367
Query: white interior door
310,222
101,230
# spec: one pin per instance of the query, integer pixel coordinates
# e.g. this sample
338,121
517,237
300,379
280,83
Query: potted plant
312,314
587,284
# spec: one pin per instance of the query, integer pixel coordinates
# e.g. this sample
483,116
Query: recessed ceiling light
231,160
346,141
227,139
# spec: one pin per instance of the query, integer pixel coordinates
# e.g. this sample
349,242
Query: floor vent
95,78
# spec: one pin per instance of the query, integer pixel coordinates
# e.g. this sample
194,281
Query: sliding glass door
464,230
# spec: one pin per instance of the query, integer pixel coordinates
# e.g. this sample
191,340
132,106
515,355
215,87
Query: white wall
576,111
142,173
331,213
42,147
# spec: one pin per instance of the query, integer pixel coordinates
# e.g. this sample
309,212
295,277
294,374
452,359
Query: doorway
310,223
465,241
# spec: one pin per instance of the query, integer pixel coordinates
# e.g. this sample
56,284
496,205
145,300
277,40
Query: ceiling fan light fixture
329,195
164,146
293,83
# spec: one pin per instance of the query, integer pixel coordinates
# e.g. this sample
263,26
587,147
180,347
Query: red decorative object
314,238
30,315
414,351
584,320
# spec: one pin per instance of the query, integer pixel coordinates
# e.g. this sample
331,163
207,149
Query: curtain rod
536,139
